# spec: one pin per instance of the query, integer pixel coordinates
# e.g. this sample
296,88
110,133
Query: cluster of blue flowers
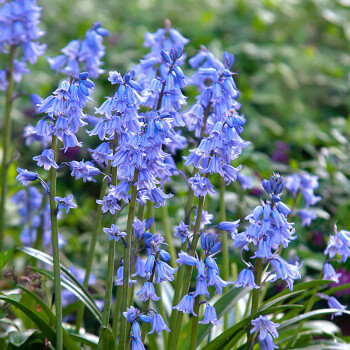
133,315
19,20
215,114
87,53
208,274
269,230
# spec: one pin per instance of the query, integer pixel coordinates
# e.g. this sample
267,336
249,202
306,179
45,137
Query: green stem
124,339
109,284
55,249
168,235
224,246
181,270
188,273
150,214
6,142
255,298
116,313
195,323
98,226
111,258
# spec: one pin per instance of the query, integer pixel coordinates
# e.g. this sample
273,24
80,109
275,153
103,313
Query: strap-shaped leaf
73,288
107,339
69,281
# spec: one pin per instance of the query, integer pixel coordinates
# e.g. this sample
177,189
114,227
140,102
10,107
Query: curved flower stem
224,246
55,249
255,297
188,273
6,139
195,323
98,226
123,339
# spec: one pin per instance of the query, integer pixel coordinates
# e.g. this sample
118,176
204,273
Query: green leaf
84,339
107,339
67,339
308,315
298,287
5,257
43,326
80,293
70,282
19,338
274,301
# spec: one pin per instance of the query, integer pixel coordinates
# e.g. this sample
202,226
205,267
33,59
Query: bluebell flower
139,268
158,324
87,52
330,274
333,303
264,326
138,228
25,176
306,184
181,231
19,22
46,159
186,259
150,264
30,136
246,279
339,244
109,203
201,185
215,280
267,342
65,203
101,153
114,233
153,242
210,316
285,271
136,344
147,292
83,170
229,226
119,279
201,286
131,314
164,272
186,304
